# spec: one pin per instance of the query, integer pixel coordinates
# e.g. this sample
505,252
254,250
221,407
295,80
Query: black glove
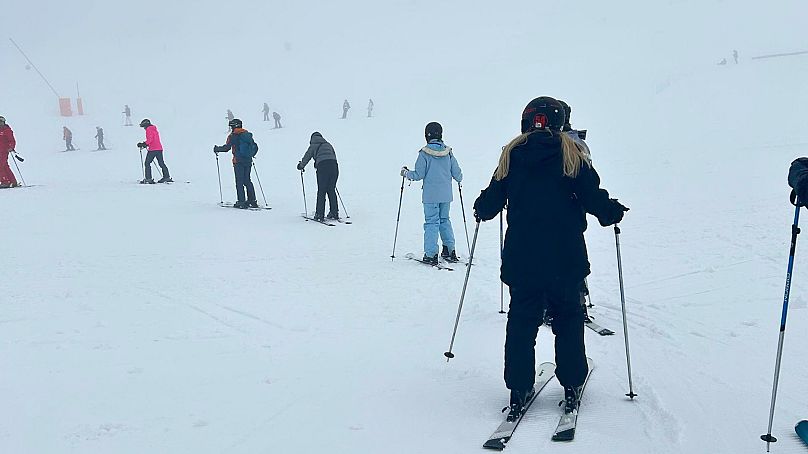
800,193
614,213
142,145
300,166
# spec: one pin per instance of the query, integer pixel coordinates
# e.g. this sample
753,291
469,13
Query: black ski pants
278,123
526,314
327,175
150,156
243,171
266,116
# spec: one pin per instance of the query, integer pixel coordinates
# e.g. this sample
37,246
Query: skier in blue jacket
436,166
244,148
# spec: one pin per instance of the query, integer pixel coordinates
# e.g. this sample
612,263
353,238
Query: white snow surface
139,319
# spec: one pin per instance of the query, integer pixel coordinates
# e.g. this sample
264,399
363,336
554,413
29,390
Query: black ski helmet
2,120
234,123
544,113
567,113
433,131
145,123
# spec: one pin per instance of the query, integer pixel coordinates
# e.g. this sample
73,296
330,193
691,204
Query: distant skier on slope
99,135
128,113
277,117
436,166
230,116
548,185
7,145
244,148
325,161
155,150
345,107
370,108
266,112
67,135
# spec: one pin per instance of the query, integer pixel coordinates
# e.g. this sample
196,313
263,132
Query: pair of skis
230,205
326,221
565,430
438,265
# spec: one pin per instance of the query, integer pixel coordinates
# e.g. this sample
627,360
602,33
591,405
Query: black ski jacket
544,244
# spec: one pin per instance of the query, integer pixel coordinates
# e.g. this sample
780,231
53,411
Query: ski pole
588,294
465,226
157,166
305,207
501,284
219,174
17,158
449,355
142,163
631,393
260,186
398,218
795,230
343,204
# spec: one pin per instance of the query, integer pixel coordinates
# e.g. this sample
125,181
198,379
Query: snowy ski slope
147,319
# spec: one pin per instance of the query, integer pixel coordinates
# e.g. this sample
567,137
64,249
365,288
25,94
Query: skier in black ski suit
244,150
99,134
548,185
325,161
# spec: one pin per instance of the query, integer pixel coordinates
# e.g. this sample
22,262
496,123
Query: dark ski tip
498,444
565,435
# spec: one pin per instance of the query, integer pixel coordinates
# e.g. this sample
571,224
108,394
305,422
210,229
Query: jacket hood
239,130
316,138
436,148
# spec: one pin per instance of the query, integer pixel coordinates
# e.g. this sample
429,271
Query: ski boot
572,398
147,181
253,204
334,216
241,205
519,401
319,218
449,256
165,180
431,259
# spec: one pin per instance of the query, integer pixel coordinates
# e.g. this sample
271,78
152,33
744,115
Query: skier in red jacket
7,144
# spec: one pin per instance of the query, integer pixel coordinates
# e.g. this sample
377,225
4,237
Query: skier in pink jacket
155,150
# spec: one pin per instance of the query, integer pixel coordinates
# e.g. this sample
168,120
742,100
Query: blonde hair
574,156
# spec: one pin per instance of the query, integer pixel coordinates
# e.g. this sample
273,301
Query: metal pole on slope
398,218
631,393
795,230
34,66
142,163
305,207
219,175
462,208
343,204
501,284
17,158
266,204
448,354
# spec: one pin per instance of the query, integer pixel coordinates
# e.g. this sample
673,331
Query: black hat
145,123
235,123
543,113
433,131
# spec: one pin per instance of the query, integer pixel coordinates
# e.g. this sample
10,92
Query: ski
589,323
341,221
439,266
505,431
565,431
802,430
259,208
318,221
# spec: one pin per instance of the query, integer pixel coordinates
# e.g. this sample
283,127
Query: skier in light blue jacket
436,166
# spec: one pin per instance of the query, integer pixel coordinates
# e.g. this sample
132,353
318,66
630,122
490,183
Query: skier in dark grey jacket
325,161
